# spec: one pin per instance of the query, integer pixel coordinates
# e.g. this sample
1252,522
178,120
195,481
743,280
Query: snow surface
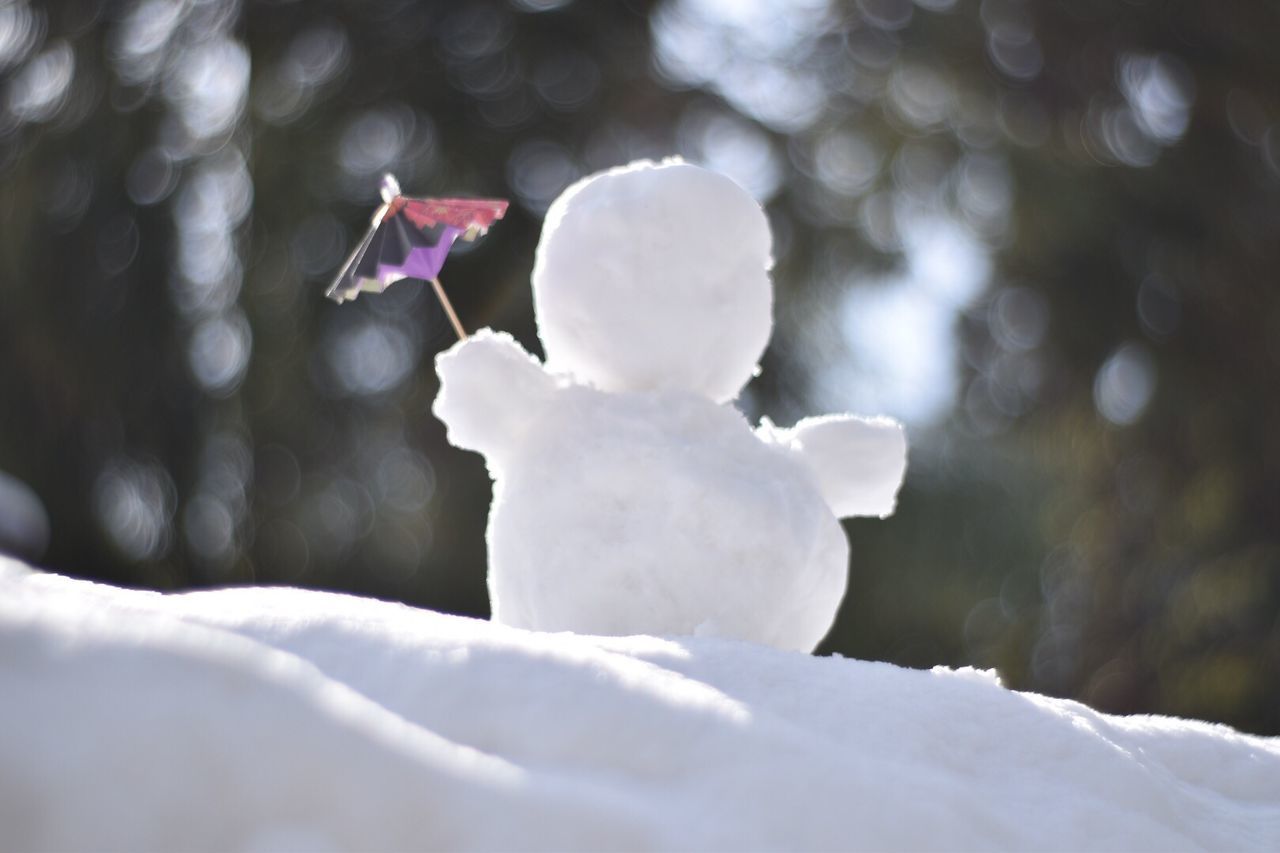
628,499
282,719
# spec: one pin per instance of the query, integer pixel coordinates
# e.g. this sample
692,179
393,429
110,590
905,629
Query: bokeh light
24,522
134,502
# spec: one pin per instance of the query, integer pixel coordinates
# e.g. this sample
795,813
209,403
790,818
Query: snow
655,276
628,497
658,513
856,462
269,719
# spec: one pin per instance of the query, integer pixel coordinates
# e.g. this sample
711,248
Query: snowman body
629,496
667,473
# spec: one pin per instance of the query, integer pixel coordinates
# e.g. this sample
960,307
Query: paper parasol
411,238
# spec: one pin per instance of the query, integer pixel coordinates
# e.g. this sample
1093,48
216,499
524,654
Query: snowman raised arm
629,497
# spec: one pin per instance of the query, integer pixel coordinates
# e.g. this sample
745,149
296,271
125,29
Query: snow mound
263,719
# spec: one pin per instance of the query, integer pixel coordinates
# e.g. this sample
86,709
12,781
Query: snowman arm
858,463
490,390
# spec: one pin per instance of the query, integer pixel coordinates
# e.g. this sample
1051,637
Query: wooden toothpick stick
448,309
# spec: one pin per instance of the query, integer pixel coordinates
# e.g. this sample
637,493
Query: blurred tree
1040,232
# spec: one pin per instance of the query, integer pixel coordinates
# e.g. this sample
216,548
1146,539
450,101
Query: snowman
629,496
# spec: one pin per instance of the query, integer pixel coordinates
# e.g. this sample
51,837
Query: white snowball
649,512
655,276
490,389
661,513
857,462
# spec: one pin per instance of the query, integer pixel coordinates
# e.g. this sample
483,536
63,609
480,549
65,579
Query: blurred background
1044,234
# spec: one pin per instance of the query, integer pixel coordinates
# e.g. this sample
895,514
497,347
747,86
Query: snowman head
655,277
